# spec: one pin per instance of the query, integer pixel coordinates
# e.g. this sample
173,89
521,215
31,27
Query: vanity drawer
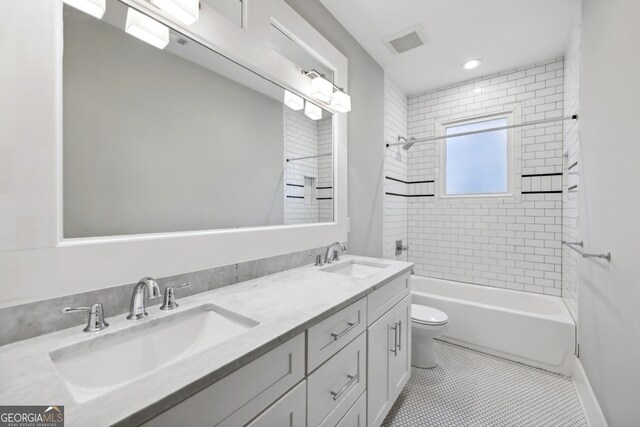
327,337
237,398
335,386
289,411
385,297
357,415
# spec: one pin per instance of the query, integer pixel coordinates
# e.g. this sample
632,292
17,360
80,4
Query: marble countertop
284,304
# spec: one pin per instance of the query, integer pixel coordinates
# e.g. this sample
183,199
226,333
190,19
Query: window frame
511,142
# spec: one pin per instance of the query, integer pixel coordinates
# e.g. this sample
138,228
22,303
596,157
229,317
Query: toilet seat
429,316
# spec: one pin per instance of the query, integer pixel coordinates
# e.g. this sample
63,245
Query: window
477,164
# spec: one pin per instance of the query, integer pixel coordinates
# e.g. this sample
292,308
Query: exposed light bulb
147,29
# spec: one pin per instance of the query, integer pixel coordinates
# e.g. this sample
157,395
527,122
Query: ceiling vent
406,40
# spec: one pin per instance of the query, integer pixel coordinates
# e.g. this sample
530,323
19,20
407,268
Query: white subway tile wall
325,171
508,242
395,207
308,182
570,259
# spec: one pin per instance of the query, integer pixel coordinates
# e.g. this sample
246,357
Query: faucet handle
169,301
96,320
319,260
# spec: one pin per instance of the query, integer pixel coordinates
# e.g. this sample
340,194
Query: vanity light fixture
312,111
471,64
147,29
293,101
94,8
321,88
341,102
185,11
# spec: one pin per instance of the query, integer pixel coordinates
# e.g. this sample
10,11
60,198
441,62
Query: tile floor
470,388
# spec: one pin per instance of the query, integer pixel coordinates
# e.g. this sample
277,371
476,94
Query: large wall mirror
165,135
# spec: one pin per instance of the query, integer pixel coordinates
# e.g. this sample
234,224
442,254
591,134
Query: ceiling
505,34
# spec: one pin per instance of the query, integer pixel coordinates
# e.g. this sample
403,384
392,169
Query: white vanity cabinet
289,411
239,397
388,359
346,370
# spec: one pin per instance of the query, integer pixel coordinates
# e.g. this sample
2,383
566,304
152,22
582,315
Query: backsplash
25,321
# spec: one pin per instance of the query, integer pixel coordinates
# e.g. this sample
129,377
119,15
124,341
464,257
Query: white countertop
284,304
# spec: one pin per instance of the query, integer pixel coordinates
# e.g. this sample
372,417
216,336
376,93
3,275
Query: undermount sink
355,268
96,366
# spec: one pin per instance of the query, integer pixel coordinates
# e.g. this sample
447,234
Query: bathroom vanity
325,346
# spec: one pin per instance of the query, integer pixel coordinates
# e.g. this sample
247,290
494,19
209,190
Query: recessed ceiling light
471,64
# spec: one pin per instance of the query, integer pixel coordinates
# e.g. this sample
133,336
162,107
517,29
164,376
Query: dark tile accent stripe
409,182
543,192
324,188
295,185
295,197
324,198
542,174
572,166
573,187
409,195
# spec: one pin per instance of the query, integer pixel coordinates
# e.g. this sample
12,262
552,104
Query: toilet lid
428,315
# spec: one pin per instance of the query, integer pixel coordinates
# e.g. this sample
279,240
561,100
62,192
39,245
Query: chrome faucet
96,320
332,254
137,309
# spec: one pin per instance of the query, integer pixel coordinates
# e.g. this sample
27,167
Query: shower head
409,143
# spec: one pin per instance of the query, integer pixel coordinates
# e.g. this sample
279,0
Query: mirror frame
215,32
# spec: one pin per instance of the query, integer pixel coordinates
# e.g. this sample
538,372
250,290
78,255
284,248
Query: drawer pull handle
352,379
394,350
400,335
339,335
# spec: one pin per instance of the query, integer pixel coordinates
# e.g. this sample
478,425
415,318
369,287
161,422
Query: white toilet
427,323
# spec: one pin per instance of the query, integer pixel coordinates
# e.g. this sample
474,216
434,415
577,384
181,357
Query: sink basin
354,268
96,366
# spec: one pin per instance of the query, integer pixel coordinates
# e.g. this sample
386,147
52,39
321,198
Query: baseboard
588,400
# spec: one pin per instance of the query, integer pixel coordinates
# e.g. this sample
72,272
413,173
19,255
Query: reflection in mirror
290,49
181,138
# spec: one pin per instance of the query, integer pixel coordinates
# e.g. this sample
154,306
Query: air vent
182,41
406,40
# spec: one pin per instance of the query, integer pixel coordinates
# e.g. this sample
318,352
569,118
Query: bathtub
533,329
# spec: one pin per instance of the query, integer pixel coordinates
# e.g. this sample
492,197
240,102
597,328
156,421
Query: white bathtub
529,328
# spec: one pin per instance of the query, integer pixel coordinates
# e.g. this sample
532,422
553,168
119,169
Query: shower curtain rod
308,157
473,132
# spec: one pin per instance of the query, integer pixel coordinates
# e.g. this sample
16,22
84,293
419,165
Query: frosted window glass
477,164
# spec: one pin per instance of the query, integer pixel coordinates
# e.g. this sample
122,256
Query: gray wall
609,297
366,130
128,168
